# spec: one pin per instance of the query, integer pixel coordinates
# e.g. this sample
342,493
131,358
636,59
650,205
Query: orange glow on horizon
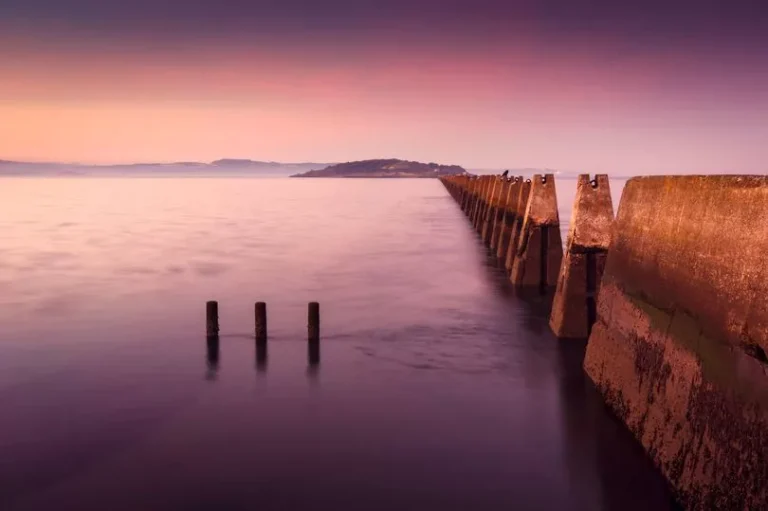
478,107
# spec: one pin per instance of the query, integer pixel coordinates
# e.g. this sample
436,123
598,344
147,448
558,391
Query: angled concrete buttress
540,249
574,307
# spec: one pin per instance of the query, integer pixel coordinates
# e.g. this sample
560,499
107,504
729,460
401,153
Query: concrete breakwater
518,220
679,347
539,247
574,309
672,294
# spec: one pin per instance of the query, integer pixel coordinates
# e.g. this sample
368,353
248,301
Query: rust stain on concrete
678,349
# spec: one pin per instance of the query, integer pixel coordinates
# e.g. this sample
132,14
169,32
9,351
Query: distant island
224,167
384,168
234,167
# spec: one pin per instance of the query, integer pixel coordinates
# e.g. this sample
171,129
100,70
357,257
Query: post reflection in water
261,357
313,359
212,358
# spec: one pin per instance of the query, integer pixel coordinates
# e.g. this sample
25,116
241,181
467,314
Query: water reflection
261,357
212,358
459,368
313,359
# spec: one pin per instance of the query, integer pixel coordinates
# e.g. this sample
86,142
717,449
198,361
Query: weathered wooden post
261,322
574,307
519,220
313,326
212,319
540,250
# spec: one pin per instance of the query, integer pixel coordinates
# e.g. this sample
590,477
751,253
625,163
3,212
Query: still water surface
436,387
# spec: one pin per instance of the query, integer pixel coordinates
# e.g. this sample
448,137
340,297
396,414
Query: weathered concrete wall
494,204
474,190
508,216
480,199
500,212
518,220
490,190
679,347
486,201
540,249
467,200
574,305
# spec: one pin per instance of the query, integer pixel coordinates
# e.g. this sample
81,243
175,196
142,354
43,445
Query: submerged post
261,322
313,326
212,319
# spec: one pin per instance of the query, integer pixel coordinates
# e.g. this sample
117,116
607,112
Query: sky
674,86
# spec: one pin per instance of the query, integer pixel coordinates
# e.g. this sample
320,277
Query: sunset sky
657,87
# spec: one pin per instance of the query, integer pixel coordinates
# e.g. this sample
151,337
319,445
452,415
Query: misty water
435,387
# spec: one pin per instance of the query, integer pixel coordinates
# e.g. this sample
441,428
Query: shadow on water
212,358
600,453
607,468
538,302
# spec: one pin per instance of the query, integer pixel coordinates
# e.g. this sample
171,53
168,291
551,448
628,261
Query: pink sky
483,103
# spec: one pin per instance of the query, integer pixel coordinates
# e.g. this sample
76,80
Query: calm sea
435,387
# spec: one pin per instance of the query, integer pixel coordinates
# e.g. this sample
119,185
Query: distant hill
224,167
384,168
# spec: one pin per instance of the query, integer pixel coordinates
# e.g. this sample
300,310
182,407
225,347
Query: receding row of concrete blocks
678,335
518,219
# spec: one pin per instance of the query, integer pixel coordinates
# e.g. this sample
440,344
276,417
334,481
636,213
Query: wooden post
313,327
260,313
212,319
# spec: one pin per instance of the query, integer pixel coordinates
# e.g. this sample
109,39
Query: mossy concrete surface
678,349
